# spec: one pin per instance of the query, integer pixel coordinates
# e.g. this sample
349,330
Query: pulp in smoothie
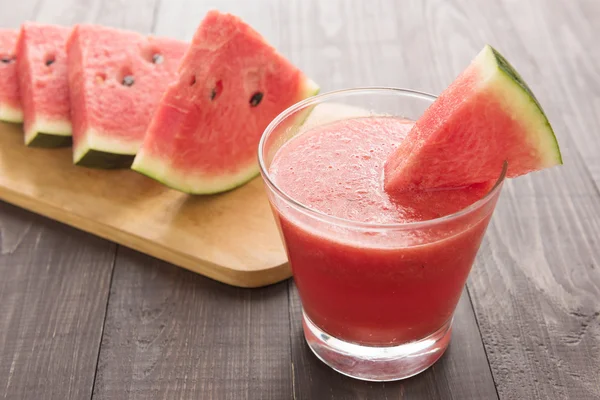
369,267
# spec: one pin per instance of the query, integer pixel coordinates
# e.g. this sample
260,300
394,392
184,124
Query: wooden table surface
83,318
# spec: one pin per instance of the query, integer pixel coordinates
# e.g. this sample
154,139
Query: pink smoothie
366,285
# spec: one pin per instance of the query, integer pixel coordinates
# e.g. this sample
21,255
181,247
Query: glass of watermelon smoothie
379,276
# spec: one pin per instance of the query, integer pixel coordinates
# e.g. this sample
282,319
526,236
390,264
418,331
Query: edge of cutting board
273,268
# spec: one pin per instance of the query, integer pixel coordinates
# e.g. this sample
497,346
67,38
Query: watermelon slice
43,86
10,104
231,84
486,116
116,80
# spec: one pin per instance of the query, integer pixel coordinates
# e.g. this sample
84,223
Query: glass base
378,364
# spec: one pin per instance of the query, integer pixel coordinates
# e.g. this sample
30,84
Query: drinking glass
378,299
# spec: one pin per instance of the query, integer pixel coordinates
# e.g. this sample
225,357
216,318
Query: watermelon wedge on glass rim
488,115
43,85
10,103
204,135
116,79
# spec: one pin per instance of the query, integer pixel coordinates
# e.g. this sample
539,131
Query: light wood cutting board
230,237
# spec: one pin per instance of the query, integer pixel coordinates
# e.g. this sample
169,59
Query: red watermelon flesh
486,116
204,136
116,79
43,85
10,103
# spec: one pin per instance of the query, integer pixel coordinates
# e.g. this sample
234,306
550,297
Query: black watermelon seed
256,99
193,80
157,58
128,80
50,60
216,91
7,60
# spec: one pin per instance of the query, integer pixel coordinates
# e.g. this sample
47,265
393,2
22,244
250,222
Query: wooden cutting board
230,237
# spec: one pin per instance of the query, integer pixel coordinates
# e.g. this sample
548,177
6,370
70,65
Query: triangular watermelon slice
10,103
486,116
231,84
116,80
43,86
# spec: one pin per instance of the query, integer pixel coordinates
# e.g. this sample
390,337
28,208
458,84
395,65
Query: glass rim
320,98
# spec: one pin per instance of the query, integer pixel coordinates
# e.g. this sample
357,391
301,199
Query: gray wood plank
53,295
66,12
568,32
180,18
172,334
536,288
127,14
461,373
12,15
137,15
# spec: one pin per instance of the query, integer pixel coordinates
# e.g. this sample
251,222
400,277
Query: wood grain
53,294
171,334
537,288
570,33
230,237
53,290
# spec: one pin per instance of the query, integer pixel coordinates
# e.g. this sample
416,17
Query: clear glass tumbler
377,299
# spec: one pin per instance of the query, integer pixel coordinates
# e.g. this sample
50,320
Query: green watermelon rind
49,133
96,150
11,114
157,170
521,99
45,140
105,160
210,186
